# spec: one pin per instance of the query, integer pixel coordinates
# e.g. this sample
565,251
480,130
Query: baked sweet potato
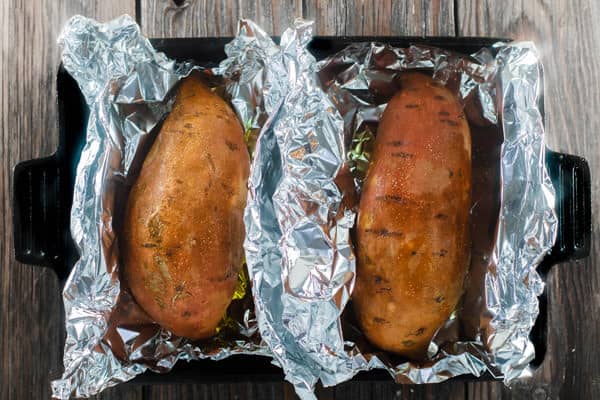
183,229
412,233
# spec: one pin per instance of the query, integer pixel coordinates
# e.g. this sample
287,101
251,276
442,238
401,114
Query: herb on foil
240,292
242,284
359,156
250,136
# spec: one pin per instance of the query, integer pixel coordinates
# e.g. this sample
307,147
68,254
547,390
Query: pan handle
40,214
570,176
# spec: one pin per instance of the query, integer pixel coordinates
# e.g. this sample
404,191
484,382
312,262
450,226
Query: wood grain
164,18
247,390
193,18
31,319
386,17
568,38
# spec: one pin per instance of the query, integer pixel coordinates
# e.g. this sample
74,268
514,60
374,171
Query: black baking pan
43,190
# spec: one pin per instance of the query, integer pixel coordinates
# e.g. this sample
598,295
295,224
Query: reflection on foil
110,339
298,316
298,230
308,118
500,93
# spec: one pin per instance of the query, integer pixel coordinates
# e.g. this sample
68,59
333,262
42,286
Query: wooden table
567,33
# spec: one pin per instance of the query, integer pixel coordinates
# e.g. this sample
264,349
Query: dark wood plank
192,18
121,392
161,18
357,390
567,35
31,314
246,390
385,17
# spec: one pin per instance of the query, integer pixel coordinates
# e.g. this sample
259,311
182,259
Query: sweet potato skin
412,234
183,229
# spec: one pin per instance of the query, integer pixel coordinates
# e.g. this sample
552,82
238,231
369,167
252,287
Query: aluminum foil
300,208
307,118
298,246
127,86
489,331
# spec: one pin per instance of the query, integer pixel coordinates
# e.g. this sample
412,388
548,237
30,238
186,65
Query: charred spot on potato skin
439,97
408,343
412,106
418,332
444,114
441,253
231,271
392,198
402,154
149,245
208,186
232,146
377,279
178,181
413,253
449,122
180,294
396,143
171,251
188,125
450,173
439,299
367,259
379,320
186,314
228,189
384,232
441,216
218,279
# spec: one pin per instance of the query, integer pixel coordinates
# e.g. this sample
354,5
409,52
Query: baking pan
42,194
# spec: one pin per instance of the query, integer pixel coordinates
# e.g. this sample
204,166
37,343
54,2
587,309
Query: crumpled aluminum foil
298,245
300,210
502,90
127,85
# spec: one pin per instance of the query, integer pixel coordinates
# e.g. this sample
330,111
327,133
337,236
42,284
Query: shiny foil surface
298,248
110,339
309,125
500,90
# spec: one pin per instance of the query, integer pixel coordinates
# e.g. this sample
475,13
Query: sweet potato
183,229
413,221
